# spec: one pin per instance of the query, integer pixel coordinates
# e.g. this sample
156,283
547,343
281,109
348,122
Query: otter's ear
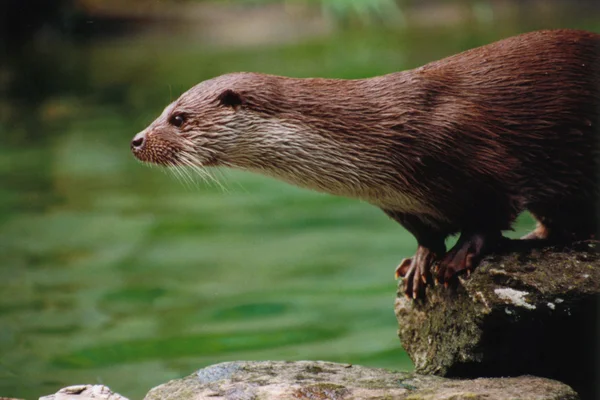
232,99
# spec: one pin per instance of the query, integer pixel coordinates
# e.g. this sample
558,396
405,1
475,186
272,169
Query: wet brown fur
470,141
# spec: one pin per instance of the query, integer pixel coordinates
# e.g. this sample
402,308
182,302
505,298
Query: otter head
203,127
247,121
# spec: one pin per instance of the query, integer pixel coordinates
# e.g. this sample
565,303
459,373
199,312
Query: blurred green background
115,273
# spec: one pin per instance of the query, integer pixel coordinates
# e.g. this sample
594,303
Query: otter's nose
138,141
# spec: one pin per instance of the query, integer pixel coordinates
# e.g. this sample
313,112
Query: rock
532,312
84,392
318,380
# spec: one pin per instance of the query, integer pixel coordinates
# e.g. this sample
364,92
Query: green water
116,273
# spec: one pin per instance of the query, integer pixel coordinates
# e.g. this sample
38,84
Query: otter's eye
177,120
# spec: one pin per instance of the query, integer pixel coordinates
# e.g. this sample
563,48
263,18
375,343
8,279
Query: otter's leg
467,253
540,232
564,223
416,270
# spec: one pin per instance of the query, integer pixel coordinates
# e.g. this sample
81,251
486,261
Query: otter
461,145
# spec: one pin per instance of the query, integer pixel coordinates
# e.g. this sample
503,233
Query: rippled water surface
116,273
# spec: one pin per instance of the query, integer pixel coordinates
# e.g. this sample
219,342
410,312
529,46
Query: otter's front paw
416,272
466,255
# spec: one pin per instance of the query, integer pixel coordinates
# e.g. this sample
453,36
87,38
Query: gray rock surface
532,312
84,392
317,380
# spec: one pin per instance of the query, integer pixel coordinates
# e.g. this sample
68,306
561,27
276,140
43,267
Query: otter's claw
465,255
402,268
416,272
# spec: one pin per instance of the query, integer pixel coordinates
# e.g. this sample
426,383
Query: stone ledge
532,312
316,380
